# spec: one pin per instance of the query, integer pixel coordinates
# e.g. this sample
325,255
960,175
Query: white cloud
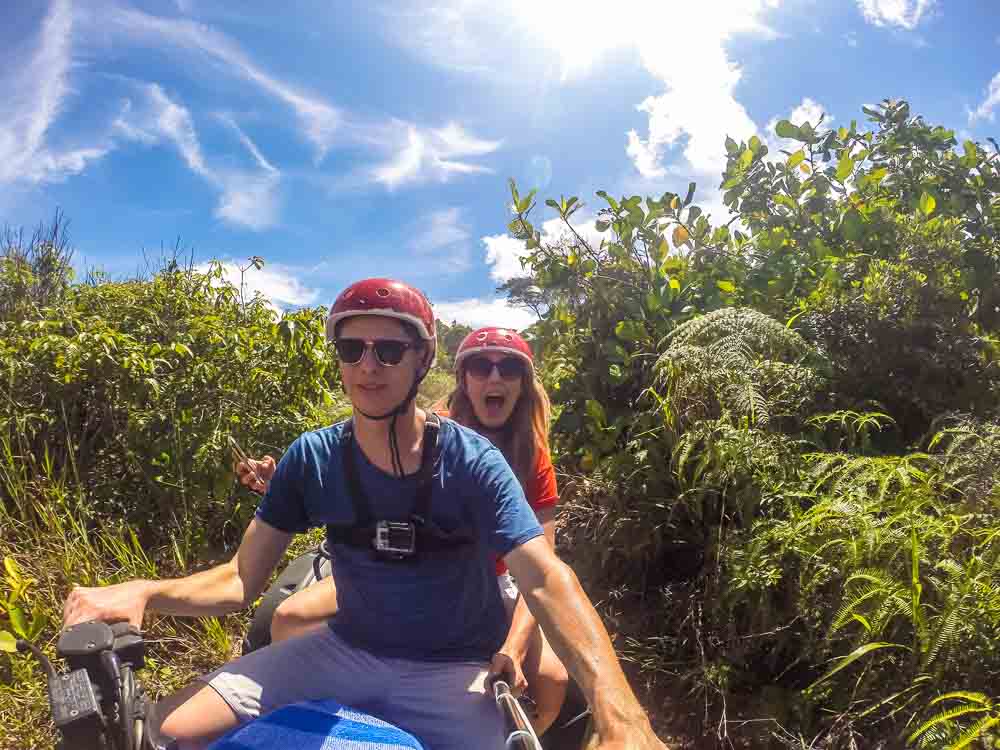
503,256
985,110
484,312
319,120
504,253
246,199
808,110
277,283
418,154
31,98
906,14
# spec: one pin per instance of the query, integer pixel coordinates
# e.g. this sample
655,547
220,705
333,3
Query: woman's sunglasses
388,352
510,368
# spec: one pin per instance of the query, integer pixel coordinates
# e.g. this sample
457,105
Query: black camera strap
430,538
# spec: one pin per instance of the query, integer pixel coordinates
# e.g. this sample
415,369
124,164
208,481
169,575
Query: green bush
133,388
789,426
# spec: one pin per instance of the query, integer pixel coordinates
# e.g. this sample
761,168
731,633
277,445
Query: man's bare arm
579,639
219,590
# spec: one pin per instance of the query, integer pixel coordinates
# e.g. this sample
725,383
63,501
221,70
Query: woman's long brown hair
524,433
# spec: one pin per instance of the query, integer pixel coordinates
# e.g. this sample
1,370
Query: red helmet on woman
495,339
388,298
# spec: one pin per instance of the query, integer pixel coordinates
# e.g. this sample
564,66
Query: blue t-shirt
436,608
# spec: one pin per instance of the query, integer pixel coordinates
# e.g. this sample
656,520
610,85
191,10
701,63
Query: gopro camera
395,539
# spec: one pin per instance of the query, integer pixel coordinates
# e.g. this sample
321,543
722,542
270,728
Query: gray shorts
445,704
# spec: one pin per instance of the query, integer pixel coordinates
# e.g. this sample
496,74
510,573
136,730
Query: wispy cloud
31,98
418,154
250,146
440,229
246,199
985,111
903,14
319,119
440,240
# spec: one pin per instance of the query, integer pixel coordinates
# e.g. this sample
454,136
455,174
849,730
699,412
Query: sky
341,140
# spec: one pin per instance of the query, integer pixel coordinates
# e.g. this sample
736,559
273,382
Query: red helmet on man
495,339
390,299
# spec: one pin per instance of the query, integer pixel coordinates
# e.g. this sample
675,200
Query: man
414,512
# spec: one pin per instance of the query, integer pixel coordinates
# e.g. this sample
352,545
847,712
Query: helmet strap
394,452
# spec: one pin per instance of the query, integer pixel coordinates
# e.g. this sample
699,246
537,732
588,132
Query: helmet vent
382,292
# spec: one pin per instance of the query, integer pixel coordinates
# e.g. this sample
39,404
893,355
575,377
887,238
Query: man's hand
121,602
256,475
508,665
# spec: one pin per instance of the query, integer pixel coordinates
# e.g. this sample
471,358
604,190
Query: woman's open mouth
494,404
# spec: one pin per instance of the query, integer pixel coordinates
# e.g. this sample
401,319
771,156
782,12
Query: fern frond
974,732
946,716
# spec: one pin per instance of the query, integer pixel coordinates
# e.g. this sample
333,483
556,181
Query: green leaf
596,411
18,621
726,286
732,147
602,226
611,201
853,226
552,204
8,643
754,144
927,204
630,330
853,657
845,166
732,182
967,695
785,129
675,285
10,565
690,194
797,158
746,158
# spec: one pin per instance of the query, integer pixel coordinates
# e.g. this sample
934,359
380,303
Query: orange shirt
541,491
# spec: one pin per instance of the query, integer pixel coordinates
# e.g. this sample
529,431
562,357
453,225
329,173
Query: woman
497,394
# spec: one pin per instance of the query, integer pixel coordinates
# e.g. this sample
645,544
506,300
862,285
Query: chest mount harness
397,541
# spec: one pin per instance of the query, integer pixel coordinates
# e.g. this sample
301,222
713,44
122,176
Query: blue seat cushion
317,725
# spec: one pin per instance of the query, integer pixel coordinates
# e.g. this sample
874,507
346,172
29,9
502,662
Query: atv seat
317,725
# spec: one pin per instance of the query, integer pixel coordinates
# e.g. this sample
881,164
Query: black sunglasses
510,368
388,352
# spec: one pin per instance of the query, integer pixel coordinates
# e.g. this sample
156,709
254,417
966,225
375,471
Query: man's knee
194,716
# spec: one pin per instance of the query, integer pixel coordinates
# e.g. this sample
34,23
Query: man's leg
314,666
445,704
194,716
